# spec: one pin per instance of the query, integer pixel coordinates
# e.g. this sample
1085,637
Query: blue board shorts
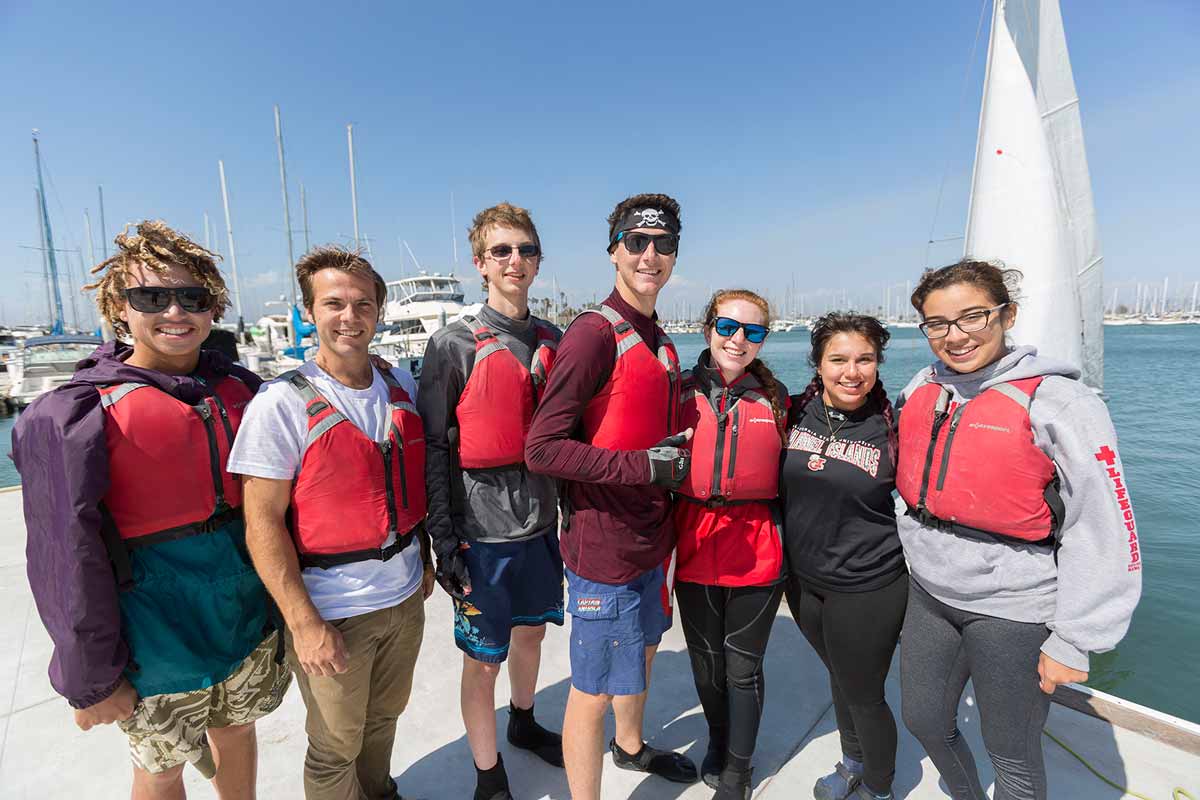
512,583
611,627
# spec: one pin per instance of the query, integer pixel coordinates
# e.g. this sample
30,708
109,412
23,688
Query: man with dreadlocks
136,550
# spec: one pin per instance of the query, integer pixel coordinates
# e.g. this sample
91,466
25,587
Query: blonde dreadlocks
158,247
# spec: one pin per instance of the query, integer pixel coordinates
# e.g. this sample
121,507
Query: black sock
491,782
525,732
524,728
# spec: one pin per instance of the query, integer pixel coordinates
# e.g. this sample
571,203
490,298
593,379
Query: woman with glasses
137,554
729,555
1019,532
846,585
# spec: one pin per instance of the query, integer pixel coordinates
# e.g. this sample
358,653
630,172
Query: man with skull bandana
607,426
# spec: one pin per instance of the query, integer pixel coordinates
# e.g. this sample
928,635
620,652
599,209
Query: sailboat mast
87,226
304,214
237,286
91,254
353,184
103,229
207,234
37,203
287,215
48,241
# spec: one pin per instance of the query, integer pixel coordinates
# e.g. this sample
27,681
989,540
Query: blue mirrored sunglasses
727,327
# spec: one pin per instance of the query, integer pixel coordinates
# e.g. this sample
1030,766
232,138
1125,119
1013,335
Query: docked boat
44,363
414,309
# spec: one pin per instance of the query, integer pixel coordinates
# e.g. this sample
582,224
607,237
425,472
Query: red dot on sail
999,152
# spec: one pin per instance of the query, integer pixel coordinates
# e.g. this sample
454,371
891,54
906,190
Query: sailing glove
669,462
452,572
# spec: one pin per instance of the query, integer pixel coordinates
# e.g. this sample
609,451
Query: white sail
1031,196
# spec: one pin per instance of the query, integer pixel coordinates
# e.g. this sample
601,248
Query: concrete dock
43,755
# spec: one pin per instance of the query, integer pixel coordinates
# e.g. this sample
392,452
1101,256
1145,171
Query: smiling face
641,276
849,368
345,311
510,276
168,341
732,354
967,352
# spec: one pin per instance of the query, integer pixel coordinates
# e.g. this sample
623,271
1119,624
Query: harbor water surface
1151,387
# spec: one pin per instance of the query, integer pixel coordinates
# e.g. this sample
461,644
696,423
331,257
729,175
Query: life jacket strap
327,560
966,531
119,549
716,501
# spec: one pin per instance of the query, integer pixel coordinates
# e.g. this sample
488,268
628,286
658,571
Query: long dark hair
874,332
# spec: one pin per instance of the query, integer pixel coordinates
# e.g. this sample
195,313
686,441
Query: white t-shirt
270,443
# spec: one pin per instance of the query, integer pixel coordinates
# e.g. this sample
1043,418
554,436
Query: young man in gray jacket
493,524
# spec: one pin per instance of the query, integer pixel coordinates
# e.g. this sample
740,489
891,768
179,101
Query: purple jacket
59,449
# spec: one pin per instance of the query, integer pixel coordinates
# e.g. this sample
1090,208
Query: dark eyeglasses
157,299
664,243
970,322
503,251
726,326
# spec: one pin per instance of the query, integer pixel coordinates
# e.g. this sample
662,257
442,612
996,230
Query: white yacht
45,362
414,309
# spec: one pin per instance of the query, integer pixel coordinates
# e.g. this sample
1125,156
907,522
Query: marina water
1152,391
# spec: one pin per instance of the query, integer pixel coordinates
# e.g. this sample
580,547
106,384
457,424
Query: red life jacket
353,492
981,472
733,538
167,459
639,406
497,404
166,466
735,451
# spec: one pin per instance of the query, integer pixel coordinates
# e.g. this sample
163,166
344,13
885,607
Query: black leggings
855,634
727,631
943,646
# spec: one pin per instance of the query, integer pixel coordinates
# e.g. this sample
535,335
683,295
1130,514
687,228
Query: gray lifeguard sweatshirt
1087,598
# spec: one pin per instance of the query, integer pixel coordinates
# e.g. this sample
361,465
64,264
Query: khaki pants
351,720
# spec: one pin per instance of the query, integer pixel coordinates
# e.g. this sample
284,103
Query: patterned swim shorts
169,729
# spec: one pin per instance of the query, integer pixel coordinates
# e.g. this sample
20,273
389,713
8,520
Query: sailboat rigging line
962,101
1060,107
58,202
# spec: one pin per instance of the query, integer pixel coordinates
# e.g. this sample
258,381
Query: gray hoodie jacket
485,505
1086,599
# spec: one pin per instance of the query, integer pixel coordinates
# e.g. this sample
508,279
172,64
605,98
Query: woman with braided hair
729,555
136,552
847,583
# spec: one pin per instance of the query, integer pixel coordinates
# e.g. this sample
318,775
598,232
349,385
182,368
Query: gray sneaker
839,784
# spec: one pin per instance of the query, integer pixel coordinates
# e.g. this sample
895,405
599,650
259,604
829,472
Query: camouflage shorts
168,729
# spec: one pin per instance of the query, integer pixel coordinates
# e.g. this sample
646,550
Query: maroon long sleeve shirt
619,525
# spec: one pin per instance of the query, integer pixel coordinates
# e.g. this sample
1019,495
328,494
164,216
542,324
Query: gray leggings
940,648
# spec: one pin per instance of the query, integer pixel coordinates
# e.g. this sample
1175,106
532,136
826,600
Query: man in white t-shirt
333,459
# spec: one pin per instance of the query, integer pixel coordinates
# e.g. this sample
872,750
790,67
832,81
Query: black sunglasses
503,251
157,299
664,243
727,326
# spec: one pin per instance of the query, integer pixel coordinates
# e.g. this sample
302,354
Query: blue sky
806,141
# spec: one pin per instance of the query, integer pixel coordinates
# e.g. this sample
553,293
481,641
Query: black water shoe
663,763
714,761
492,784
734,785
525,732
